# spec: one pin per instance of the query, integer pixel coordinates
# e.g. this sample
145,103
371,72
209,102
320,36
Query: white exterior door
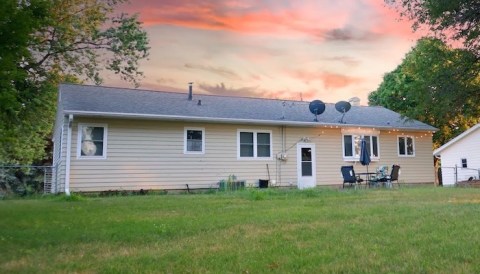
306,165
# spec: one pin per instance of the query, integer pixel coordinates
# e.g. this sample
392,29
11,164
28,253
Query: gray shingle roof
121,102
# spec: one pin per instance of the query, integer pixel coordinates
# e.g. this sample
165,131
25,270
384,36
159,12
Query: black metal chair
389,179
349,176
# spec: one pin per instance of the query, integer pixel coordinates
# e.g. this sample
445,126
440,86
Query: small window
254,144
464,163
92,141
194,141
406,146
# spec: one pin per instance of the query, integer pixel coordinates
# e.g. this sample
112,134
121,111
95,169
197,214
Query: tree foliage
435,84
44,42
454,19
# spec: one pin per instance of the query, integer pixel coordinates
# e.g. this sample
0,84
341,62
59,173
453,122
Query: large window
194,141
92,141
352,143
254,144
406,146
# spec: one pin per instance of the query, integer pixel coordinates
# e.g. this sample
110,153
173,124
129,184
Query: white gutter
69,154
227,120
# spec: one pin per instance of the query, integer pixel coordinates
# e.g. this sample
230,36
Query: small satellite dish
316,107
343,107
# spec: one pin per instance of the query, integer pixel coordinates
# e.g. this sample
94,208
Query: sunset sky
327,50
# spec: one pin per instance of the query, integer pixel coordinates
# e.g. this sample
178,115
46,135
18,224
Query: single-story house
128,139
460,157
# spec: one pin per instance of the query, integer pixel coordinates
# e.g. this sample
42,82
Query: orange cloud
330,80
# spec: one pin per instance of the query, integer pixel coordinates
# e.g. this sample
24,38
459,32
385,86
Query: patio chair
349,176
389,179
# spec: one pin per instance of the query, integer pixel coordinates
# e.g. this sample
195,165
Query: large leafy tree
44,42
434,84
453,20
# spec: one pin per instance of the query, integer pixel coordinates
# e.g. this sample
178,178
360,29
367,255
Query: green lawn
411,230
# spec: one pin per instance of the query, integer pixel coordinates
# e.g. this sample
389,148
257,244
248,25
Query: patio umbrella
364,155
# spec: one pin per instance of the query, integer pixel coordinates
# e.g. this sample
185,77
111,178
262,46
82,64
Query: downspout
69,154
283,151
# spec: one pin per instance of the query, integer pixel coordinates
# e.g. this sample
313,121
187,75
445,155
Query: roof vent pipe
190,92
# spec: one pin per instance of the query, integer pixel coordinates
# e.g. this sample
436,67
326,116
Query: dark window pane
410,146
263,150
306,168
194,135
246,150
99,146
263,138
246,144
401,145
375,145
347,140
246,138
306,154
97,133
263,144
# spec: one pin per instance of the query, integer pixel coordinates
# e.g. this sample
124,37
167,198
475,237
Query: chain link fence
456,174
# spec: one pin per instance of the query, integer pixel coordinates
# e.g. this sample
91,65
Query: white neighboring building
462,154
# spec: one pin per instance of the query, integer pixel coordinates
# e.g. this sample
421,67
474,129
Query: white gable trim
456,139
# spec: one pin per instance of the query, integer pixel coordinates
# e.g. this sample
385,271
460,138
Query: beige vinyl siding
417,169
149,154
329,156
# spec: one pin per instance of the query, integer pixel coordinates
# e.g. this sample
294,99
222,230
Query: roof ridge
186,92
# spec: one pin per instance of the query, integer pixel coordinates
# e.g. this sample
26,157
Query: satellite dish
343,107
316,107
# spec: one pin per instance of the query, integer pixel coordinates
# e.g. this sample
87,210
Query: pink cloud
325,21
235,16
330,80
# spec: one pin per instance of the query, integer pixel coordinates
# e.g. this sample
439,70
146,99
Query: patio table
368,176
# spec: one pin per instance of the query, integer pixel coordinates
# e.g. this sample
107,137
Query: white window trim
255,132
354,158
414,146
185,151
79,141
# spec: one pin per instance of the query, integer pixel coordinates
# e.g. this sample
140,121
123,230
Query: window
194,141
464,163
352,143
406,146
254,144
92,141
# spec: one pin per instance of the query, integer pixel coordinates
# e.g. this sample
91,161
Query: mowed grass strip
408,230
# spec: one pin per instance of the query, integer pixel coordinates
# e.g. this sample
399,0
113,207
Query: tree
435,84
45,42
455,19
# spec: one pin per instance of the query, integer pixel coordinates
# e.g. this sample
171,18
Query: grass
411,230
